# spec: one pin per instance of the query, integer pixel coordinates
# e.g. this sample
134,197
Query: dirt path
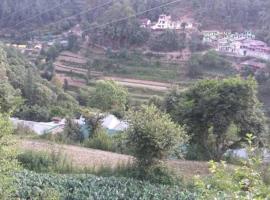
153,85
86,157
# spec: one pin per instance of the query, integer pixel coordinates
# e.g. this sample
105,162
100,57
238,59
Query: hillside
36,98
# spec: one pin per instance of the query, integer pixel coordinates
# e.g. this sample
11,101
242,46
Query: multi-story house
244,47
165,22
254,48
210,36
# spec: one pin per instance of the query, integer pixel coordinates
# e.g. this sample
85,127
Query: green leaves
153,135
109,96
91,187
211,107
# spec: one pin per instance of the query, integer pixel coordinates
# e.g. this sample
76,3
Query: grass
57,162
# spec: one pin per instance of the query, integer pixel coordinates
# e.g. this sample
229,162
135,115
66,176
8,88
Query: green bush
100,141
242,182
157,174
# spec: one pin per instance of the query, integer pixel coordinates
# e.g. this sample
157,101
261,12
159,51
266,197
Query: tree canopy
109,96
218,114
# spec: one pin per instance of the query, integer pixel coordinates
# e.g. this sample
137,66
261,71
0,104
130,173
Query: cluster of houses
237,44
34,46
165,22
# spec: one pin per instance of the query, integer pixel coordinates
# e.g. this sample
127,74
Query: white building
216,36
210,36
165,22
245,48
255,48
145,23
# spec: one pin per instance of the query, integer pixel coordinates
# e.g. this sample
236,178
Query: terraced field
139,73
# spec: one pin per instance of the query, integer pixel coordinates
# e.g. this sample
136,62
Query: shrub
72,131
158,174
153,136
241,182
101,141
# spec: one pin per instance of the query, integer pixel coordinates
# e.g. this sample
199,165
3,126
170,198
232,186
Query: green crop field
31,185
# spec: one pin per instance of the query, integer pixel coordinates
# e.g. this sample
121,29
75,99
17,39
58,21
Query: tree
52,53
209,61
93,121
8,162
9,100
168,41
153,135
119,34
9,97
73,43
196,42
72,131
109,96
218,114
194,66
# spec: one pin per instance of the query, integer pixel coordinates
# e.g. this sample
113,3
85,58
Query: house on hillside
76,30
213,36
145,23
210,36
165,22
244,48
254,48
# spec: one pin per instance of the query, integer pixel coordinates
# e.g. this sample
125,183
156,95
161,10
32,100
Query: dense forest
235,15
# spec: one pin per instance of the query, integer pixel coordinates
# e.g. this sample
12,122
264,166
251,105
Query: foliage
209,61
72,132
52,53
195,42
73,43
210,109
100,140
231,14
9,97
12,13
43,162
122,33
87,186
195,68
241,182
157,174
152,135
109,96
41,98
168,41
8,162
